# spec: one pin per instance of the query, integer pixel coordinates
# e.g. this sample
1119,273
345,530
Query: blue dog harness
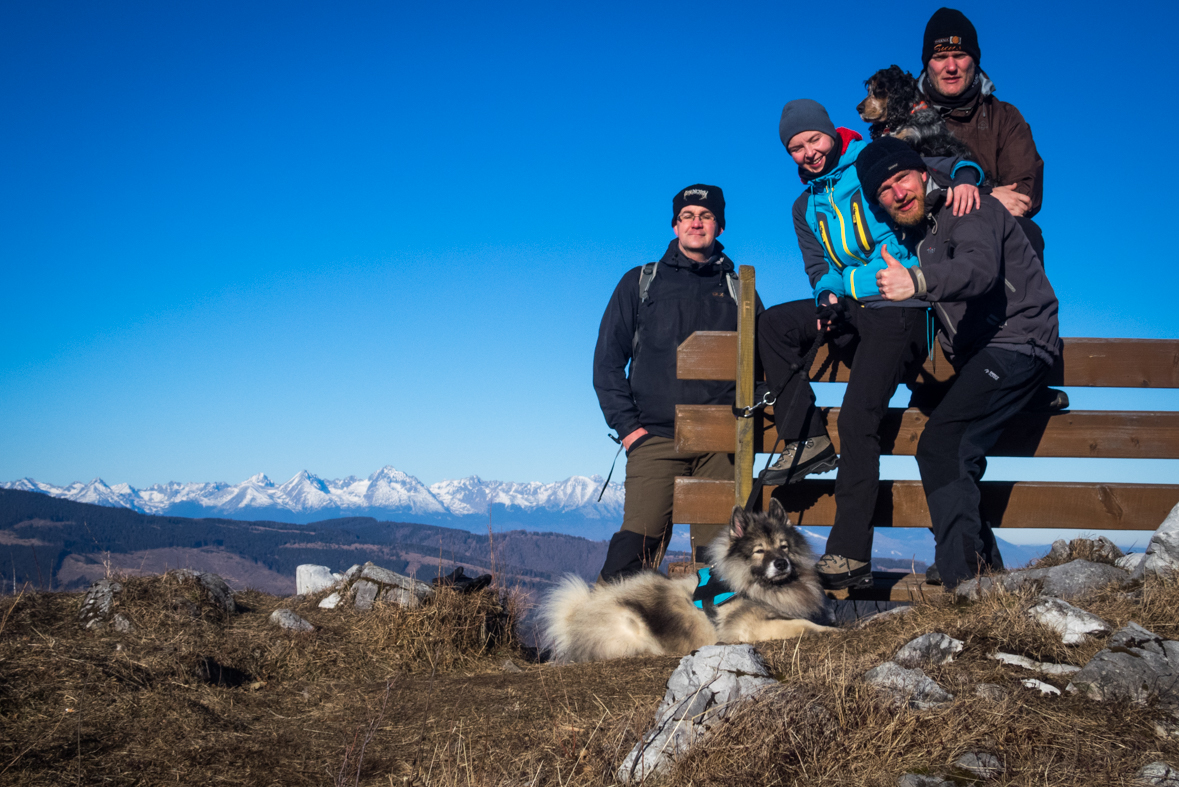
711,592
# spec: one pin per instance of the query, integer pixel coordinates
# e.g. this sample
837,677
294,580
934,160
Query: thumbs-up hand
894,282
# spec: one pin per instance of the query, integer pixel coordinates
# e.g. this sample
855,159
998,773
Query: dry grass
398,697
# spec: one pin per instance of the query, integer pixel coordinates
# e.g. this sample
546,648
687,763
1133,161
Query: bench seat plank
902,503
1093,362
1101,434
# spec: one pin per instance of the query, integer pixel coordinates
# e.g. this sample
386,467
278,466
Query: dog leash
805,364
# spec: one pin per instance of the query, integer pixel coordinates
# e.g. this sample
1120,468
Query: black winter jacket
986,283
684,297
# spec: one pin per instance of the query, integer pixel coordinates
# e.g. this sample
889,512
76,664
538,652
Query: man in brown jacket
994,130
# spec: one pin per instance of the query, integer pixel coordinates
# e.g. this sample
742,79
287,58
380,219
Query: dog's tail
559,616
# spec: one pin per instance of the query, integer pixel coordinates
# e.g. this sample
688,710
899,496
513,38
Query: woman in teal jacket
841,235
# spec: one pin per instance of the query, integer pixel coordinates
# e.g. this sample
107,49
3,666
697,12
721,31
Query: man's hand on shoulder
963,198
894,282
1017,204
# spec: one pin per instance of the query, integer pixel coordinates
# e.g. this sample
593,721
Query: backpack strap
646,276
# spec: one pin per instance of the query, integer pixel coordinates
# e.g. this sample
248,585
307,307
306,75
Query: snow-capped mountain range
564,506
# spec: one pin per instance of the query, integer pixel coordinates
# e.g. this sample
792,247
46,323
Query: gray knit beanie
803,114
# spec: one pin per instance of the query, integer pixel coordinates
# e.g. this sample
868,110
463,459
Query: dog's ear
739,522
778,513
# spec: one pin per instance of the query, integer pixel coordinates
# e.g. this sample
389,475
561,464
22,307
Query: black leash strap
803,367
611,473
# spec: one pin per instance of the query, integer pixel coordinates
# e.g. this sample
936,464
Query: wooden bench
1107,363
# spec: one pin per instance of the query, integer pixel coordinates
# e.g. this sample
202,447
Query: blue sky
243,237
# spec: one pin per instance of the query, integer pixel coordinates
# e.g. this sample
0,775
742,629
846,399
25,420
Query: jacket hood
673,258
847,138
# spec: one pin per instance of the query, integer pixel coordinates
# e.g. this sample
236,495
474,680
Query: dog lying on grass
768,590
895,106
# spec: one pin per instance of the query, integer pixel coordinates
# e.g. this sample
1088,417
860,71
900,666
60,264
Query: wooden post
746,317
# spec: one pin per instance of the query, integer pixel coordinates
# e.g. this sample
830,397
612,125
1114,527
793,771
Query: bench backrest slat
1087,362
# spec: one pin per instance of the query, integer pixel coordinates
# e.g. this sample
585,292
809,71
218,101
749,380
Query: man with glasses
653,310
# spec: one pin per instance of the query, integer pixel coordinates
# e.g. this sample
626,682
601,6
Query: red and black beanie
949,30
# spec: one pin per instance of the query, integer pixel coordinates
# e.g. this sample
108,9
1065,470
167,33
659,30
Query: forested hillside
59,544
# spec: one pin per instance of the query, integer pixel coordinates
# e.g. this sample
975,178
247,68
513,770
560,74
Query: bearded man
997,324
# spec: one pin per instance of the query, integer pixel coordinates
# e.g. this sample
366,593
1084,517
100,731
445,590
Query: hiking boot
800,459
1047,400
932,575
836,572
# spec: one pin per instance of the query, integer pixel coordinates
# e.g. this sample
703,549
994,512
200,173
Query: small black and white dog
895,106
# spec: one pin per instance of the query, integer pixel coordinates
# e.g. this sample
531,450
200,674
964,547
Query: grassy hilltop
428,697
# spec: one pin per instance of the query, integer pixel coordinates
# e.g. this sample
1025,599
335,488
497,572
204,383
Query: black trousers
882,344
988,390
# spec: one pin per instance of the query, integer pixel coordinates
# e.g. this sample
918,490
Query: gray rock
1040,686
974,588
1107,550
213,588
330,601
1073,625
312,579
391,587
1136,666
910,686
352,573
1166,729
287,619
933,649
1060,552
366,594
1157,774
98,603
701,693
1130,562
122,624
510,666
1070,580
1162,553
990,691
1035,666
981,764
921,780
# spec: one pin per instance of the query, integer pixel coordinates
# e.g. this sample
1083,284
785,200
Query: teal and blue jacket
841,233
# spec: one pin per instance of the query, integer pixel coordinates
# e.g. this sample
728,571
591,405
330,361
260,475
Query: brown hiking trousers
651,470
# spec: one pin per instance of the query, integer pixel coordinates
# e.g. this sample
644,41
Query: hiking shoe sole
850,582
793,476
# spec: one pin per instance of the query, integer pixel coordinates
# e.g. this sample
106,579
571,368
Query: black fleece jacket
987,285
684,297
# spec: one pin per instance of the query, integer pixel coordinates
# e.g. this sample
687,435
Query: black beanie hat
881,160
949,30
705,196
803,114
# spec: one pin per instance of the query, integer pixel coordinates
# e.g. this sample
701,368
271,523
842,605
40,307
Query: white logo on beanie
701,193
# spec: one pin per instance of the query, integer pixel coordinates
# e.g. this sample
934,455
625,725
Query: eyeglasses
705,216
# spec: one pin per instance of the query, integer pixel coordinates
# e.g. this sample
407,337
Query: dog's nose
860,106
781,565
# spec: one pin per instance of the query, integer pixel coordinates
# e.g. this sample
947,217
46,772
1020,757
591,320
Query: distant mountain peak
386,493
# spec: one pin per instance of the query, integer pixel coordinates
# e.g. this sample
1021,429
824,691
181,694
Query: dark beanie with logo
701,194
881,160
949,30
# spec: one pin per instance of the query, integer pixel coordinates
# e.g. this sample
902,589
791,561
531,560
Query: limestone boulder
1161,559
911,687
701,693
